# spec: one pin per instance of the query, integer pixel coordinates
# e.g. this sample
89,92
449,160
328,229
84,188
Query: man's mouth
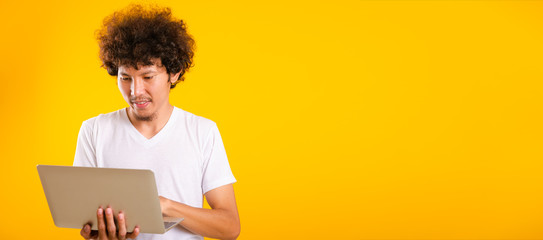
141,104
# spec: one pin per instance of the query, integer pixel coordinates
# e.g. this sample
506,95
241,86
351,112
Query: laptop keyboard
168,224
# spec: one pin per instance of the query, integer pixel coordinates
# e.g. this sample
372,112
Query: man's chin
141,116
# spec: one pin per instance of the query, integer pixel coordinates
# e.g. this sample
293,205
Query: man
149,51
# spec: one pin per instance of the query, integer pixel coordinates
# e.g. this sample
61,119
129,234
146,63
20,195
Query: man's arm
222,221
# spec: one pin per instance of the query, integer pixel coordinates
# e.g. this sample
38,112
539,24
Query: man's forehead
141,69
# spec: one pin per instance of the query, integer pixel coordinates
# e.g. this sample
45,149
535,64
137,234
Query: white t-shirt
187,156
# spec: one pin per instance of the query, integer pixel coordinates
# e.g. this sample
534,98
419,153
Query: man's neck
149,128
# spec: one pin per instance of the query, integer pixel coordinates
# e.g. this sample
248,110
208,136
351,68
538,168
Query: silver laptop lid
75,193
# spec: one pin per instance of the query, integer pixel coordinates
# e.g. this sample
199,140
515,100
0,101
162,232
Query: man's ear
174,77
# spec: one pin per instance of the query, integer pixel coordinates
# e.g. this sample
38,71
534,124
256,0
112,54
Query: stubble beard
147,118
139,117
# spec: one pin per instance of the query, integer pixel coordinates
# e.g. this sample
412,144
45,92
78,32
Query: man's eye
148,77
125,78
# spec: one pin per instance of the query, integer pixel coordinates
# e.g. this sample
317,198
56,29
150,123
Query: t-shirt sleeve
85,154
216,169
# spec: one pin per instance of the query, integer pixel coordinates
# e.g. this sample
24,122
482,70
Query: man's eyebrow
143,73
147,72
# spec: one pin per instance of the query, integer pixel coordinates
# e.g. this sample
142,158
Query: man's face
146,90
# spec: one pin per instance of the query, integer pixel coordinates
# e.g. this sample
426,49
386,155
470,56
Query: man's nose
138,87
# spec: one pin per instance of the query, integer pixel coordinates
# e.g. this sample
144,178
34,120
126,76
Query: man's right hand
106,227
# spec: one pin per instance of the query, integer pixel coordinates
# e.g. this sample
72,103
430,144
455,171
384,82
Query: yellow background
341,119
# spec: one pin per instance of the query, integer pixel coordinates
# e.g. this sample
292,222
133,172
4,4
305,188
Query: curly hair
140,35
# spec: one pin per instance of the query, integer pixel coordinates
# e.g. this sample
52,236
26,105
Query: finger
134,233
111,229
122,226
86,231
101,223
94,234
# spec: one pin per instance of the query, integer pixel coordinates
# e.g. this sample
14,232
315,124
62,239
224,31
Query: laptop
75,193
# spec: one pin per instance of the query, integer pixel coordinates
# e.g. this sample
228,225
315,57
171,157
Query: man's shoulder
193,120
105,118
